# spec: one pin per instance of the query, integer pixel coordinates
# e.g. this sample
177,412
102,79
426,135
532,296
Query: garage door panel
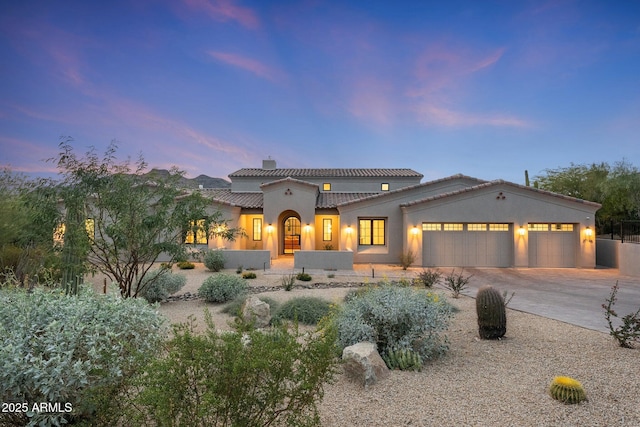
467,248
552,249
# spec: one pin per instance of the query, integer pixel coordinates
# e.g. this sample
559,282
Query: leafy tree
616,187
134,216
28,215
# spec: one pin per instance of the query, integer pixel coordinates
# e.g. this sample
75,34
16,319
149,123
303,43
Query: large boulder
362,363
256,311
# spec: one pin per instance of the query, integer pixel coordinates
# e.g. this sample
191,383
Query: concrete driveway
570,295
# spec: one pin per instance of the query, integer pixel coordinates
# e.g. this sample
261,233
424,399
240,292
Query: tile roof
498,182
325,173
241,199
333,200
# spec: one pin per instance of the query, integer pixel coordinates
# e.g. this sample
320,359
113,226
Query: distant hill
204,180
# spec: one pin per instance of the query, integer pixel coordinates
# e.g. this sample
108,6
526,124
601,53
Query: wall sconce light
349,229
521,231
307,228
588,232
269,229
415,230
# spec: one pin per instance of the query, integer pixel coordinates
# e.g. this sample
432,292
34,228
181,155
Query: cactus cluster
567,390
403,359
492,316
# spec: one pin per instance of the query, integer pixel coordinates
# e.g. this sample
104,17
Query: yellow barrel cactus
567,390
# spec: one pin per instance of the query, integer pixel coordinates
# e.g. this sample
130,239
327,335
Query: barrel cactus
567,390
403,359
492,316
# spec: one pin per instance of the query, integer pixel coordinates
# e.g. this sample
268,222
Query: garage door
467,245
552,245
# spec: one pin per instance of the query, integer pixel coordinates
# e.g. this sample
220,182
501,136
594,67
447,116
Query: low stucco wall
624,256
253,259
324,260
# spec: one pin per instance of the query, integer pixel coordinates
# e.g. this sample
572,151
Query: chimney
269,164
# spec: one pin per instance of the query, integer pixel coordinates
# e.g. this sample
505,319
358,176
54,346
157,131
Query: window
90,226
561,227
453,227
200,237
371,231
326,230
384,186
326,186
431,226
498,227
476,227
538,227
257,228
58,233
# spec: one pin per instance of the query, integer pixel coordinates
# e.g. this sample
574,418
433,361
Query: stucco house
375,215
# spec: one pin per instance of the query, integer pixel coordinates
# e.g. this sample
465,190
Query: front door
291,227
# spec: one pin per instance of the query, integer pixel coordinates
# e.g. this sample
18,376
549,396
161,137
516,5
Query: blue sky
483,88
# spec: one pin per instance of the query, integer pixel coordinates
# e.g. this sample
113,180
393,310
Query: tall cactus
492,316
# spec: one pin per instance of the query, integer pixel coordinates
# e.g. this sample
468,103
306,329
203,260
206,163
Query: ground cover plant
253,378
161,283
395,318
78,350
306,310
222,287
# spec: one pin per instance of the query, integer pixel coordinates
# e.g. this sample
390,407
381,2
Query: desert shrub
304,277
249,275
629,331
159,284
238,379
288,281
306,310
213,260
395,318
407,258
80,350
456,282
428,278
222,288
239,269
186,265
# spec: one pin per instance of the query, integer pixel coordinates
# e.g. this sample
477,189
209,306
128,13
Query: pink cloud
371,100
226,10
437,115
248,64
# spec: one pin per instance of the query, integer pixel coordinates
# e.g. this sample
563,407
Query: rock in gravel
363,364
257,311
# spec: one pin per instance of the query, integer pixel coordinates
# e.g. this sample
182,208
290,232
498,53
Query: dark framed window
196,234
371,231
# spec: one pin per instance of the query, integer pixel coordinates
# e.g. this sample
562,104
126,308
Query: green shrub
628,332
186,265
428,278
288,281
395,318
304,277
159,284
222,288
213,260
80,350
306,310
249,275
233,379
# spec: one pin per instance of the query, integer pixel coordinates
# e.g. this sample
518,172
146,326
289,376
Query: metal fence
630,231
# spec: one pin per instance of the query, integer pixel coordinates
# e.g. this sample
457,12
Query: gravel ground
478,383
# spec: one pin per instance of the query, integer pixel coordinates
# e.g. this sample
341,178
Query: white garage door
467,245
552,245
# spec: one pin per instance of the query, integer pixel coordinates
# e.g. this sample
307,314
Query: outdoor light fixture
307,228
349,230
415,230
521,231
588,232
269,228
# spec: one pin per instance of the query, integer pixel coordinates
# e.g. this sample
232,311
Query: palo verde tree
134,217
28,216
616,187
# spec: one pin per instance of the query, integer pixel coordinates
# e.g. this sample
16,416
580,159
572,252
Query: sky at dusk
483,88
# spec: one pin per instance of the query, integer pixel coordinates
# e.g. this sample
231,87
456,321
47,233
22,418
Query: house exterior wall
512,205
338,184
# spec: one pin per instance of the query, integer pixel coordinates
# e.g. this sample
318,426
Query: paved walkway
570,295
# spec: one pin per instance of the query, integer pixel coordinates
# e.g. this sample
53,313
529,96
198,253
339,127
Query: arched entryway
291,232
